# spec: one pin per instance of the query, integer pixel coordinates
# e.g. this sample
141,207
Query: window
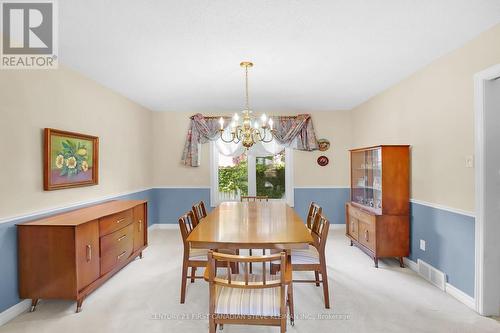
251,173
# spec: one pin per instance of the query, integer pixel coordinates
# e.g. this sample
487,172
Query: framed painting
70,159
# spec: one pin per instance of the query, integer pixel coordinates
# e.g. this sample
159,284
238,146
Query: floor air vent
431,274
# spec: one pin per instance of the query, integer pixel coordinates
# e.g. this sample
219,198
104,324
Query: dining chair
249,299
313,258
192,258
199,212
249,198
314,209
254,198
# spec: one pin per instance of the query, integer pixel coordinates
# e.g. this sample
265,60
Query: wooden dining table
251,225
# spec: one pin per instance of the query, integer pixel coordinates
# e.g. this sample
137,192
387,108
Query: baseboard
461,296
163,226
411,264
14,311
450,289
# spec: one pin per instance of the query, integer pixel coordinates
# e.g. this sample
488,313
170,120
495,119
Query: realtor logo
29,34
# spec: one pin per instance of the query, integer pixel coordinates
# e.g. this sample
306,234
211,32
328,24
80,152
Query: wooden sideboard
69,255
377,217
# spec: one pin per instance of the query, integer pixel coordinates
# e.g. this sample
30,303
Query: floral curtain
296,131
291,131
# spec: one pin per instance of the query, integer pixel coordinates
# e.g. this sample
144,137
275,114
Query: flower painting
71,159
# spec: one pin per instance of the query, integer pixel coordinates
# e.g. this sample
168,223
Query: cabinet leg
79,305
375,260
401,262
351,242
34,303
140,255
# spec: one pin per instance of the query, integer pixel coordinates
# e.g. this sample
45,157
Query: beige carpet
144,297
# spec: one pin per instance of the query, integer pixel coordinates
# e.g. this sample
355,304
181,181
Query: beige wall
63,99
169,131
433,110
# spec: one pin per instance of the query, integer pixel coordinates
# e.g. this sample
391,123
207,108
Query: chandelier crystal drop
246,129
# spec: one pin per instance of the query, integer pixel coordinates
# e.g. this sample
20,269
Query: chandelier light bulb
271,123
264,119
221,122
236,117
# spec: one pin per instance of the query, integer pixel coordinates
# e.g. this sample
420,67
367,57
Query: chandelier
248,130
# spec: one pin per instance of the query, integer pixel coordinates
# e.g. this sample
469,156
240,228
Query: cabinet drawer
116,248
366,235
117,239
111,223
353,227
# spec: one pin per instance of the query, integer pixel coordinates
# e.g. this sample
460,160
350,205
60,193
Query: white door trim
479,105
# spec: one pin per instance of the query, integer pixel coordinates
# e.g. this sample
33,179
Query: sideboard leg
401,262
79,305
375,260
34,303
140,255
351,242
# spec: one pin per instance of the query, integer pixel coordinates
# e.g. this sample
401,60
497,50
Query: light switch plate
422,245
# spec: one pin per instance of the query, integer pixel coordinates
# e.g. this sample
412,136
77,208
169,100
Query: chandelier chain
246,88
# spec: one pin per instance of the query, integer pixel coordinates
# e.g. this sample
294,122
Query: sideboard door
87,253
139,227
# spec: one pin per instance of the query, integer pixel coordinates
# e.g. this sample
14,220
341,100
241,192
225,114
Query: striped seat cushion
202,254
248,302
305,256
198,254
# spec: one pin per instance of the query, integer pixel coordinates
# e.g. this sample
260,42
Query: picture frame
70,159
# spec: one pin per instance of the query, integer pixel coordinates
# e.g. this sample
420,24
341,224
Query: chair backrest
216,259
254,198
186,224
199,212
314,209
319,232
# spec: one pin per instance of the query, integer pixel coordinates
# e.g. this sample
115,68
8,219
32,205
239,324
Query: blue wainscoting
450,243
332,200
170,203
8,247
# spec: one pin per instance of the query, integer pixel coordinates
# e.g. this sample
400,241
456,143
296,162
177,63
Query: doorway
487,136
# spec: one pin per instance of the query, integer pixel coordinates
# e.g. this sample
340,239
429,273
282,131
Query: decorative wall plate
323,160
324,144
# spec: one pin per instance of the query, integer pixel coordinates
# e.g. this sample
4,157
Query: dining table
251,225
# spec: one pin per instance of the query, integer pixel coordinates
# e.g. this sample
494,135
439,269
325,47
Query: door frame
480,80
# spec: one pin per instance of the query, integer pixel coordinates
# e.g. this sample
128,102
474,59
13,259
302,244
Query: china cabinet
377,216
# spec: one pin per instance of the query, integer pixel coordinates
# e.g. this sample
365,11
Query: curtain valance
296,132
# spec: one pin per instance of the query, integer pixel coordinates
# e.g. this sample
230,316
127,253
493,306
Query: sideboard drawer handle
120,221
122,237
121,255
366,235
140,225
89,253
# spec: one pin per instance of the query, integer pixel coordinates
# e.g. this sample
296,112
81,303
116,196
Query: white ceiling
309,55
